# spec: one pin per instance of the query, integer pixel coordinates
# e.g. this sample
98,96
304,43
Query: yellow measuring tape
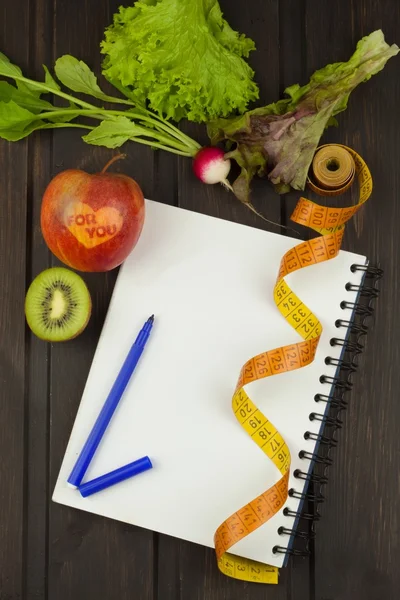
330,223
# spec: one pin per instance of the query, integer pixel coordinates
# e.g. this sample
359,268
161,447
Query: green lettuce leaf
281,138
180,56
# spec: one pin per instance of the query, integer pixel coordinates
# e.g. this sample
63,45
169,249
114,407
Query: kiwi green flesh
57,305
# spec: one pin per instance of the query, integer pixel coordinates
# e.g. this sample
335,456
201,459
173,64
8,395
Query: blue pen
109,479
101,424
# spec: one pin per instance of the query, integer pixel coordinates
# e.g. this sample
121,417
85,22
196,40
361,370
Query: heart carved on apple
90,227
92,222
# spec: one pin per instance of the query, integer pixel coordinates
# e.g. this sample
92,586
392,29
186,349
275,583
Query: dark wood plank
90,557
356,548
14,23
188,571
39,168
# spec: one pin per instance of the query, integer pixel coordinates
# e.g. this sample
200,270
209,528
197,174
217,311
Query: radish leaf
25,99
76,75
114,132
49,80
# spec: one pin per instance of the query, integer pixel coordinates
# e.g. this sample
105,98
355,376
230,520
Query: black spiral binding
321,460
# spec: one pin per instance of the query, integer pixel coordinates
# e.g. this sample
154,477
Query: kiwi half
57,305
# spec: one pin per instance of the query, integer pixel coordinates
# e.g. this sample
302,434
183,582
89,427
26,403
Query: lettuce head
180,57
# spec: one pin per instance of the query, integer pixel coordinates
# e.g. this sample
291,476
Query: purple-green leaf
280,139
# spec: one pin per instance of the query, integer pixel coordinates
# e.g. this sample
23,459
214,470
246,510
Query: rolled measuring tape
330,223
332,171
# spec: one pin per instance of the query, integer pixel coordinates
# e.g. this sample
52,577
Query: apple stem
111,162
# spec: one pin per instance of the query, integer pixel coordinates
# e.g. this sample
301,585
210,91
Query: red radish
211,166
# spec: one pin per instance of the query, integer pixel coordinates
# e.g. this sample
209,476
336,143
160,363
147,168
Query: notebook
209,283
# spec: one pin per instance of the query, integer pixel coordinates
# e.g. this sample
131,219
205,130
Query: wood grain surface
52,552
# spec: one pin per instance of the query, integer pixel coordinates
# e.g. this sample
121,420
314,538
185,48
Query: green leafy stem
23,110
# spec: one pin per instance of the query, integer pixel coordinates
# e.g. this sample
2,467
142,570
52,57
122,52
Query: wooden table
52,552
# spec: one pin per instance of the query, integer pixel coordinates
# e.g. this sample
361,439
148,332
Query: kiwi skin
41,300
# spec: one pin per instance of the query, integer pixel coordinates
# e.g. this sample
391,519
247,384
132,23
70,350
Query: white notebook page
209,283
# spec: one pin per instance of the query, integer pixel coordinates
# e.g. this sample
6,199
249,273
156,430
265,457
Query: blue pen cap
109,479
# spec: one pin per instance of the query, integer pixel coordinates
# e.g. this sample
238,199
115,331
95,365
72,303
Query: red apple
92,222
